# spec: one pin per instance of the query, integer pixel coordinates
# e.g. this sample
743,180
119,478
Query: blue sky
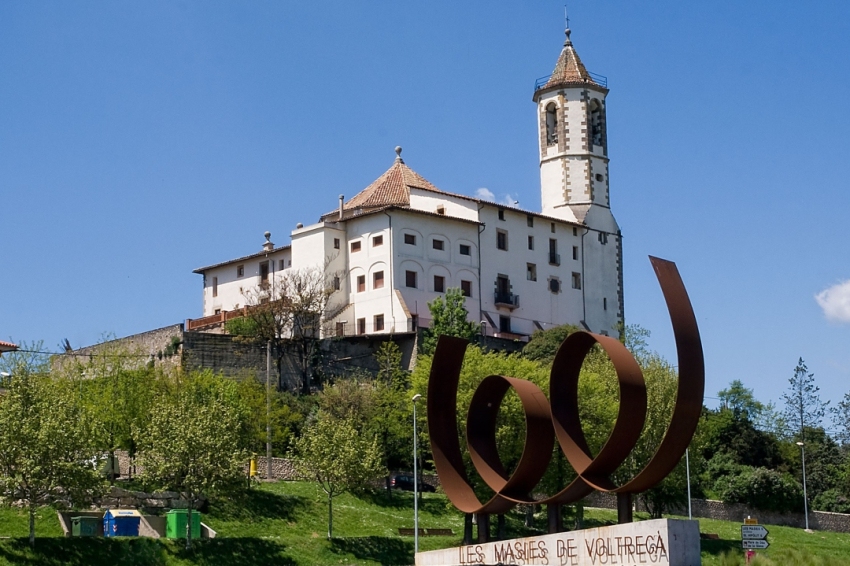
140,140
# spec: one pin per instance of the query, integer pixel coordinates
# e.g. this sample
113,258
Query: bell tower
573,140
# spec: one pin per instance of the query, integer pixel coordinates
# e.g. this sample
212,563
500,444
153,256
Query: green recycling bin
87,526
175,524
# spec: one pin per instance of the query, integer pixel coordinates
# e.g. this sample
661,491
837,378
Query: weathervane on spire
567,27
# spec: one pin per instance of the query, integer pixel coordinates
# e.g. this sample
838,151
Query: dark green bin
175,524
87,526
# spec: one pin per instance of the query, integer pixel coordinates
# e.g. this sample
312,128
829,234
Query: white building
401,241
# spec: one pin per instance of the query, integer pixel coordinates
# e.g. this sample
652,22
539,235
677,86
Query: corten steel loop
563,422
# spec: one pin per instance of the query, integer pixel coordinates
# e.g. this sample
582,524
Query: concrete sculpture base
672,542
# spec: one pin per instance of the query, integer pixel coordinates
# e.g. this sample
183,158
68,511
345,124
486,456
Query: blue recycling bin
121,523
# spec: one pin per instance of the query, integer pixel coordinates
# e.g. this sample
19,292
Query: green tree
740,400
448,317
803,405
391,420
46,448
286,416
544,344
194,443
338,456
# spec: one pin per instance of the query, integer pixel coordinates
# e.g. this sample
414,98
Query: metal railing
601,80
506,299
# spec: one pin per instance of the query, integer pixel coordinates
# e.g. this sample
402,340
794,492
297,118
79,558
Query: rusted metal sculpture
561,419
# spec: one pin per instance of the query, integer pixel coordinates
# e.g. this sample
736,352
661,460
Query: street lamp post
415,480
688,473
805,496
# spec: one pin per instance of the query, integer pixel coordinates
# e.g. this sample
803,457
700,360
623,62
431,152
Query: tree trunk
579,516
32,524
553,514
330,517
529,516
467,528
500,532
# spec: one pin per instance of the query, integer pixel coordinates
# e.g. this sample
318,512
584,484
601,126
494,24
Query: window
531,242
378,280
554,258
576,280
361,283
599,177
361,326
603,238
215,286
439,284
502,240
555,285
340,329
379,322
437,244
465,250
530,221
336,282
281,265
501,214
597,122
552,227
531,272
240,271
551,124
264,272
575,230
355,247
575,252
217,311
441,209
605,303
336,243
410,279
410,239
466,288
377,241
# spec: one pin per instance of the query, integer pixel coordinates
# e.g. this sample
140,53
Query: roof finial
398,154
567,27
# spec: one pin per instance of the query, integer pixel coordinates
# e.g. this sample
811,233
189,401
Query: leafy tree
803,405
740,400
391,420
544,344
194,443
448,317
46,449
337,455
286,416
841,420
761,488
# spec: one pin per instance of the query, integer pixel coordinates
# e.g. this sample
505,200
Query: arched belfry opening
597,123
551,124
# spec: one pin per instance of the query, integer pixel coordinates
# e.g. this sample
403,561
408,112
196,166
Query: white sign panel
759,544
753,532
662,541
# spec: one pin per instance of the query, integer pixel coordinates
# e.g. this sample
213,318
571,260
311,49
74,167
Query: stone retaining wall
118,497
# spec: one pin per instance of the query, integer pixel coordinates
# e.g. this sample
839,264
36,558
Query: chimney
268,245
341,200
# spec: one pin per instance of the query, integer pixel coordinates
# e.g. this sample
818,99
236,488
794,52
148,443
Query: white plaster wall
230,286
428,201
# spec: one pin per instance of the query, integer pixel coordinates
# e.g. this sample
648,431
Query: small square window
217,311
530,221
437,244
215,287
379,322
531,272
441,210
410,279
439,284
501,214
465,249
555,285
466,288
576,278
377,241
361,326
355,246
336,243
575,252
599,177
240,271
361,283
502,240
378,280
531,242
410,239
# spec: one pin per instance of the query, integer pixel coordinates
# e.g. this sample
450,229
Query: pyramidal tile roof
569,70
390,189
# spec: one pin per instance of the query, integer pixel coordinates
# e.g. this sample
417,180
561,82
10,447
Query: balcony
554,259
507,300
601,80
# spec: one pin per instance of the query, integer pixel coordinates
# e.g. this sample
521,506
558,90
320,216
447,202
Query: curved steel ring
593,472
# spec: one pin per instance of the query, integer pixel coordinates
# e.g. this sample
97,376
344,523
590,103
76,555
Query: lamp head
417,397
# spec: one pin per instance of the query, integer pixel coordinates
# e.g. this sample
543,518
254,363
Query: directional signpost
753,537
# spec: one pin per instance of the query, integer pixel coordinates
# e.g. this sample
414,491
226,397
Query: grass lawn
286,523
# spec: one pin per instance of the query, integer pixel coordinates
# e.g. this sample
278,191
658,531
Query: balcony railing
554,259
506,300
601,80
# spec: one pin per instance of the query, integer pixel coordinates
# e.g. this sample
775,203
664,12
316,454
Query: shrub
761,488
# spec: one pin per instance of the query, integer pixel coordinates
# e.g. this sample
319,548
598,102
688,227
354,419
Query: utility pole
269,410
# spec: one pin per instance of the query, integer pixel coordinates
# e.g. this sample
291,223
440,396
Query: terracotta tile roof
569,70
7,346
390,189
243,258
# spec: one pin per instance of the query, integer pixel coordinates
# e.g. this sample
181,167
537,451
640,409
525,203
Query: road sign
753,532
759,544
751,521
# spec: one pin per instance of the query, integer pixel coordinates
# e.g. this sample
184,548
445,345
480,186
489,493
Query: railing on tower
601,80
